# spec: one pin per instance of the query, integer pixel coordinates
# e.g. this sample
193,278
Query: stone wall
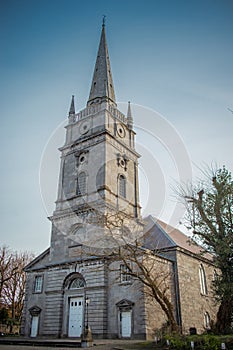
106,291
131,291
54,298
155,316
193,303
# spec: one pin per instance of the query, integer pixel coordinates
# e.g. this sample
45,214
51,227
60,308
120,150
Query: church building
67,290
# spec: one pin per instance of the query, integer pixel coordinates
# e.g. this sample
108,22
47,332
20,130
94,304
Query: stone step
41,342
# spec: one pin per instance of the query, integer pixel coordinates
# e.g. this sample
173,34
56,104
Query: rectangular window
125,276
81,184
122,186
38,284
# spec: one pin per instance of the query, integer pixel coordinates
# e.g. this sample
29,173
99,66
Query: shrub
203,342
210,342
177,342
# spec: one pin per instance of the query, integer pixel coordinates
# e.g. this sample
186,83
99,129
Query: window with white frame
122,186
207,320
38,284
202,277
77,283
125,274
81,184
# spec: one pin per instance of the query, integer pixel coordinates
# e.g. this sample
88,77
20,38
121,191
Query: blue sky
174,57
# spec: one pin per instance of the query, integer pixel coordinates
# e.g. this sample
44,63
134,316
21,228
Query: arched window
81,184
206,320
215,276
77,283
202,277
122,186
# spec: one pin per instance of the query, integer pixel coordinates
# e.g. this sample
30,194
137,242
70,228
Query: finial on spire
129,117
102,89
72,110
104,19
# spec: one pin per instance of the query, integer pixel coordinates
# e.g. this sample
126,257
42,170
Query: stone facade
195,304
110,296
68,290
193,274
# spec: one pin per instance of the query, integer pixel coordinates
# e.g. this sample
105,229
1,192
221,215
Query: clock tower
99,165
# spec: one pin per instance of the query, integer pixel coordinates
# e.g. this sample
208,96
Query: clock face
84,127
120,130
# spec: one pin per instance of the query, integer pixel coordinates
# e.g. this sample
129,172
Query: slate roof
160,235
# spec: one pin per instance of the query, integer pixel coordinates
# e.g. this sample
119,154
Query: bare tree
6,270
124,242
149,269
14,288
13,280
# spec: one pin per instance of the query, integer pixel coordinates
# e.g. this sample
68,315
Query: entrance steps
71,343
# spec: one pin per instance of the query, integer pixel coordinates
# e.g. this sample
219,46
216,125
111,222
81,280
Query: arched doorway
75,304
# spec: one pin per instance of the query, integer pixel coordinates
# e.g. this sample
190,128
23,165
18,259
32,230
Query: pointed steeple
72,111
102,88
129,117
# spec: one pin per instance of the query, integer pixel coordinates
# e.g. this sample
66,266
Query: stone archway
74,305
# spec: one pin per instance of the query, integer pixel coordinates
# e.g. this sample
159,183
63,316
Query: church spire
72,110
129,117
102,84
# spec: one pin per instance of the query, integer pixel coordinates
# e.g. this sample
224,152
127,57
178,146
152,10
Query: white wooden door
126,324
75,317
34,326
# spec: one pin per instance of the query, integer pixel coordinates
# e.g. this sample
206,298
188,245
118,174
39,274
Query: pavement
100,344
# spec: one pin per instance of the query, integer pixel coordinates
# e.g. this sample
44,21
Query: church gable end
39,262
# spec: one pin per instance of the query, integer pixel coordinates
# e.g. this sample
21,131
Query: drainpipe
177,295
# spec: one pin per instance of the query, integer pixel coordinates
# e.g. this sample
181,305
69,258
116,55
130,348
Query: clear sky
173,57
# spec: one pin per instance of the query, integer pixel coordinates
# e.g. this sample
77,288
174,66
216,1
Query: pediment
39,262
35,310
125,304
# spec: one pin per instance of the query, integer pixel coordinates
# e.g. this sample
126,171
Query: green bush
210,342
177,342
203,342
